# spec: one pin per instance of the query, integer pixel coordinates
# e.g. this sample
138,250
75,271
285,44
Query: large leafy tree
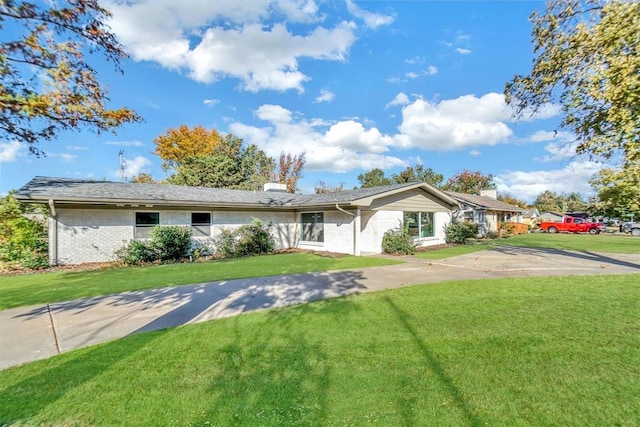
231,165
587,61
618,194
470,182
418,173
373,178
46,86
177,144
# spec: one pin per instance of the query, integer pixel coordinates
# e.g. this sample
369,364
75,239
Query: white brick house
90,220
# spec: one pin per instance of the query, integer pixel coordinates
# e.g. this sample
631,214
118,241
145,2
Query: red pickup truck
572,225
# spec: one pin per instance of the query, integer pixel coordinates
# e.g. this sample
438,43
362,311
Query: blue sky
353,84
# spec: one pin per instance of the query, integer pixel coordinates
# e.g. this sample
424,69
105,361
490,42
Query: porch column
356,232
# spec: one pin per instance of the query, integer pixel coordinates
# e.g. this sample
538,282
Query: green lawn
21,290
527,351
572,242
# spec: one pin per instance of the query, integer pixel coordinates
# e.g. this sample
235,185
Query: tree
419,174
230,166
373,178
143,178
22,240
588,61
618,195
323,188
178,144
470,182
548,201
290,170
512,200
46,86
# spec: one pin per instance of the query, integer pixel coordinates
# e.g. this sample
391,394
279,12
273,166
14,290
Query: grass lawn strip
570,242
23,290
526,351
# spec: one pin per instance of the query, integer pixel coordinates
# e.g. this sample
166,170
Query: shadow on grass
405,406
22,401
547,252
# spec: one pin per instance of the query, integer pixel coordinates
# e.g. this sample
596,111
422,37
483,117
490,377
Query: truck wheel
553,230
593,231
635,232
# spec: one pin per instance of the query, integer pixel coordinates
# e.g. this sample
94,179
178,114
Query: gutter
356,226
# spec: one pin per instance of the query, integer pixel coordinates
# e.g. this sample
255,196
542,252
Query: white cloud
400,99
463,51
325,96
432,70
371,20
474,153
464,122
412,75
126,143
76,148
416,60
66,157
216,40
133,167
545,135
9,151
528,185
211,102
337,147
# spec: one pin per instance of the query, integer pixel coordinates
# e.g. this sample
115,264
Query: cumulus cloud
400,99
463,51
371,20
133,167
216,40
9,151
464,122
325,96
211,102
528,185
431,70
337,147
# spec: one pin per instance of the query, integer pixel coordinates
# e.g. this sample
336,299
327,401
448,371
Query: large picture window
201,223
419,224
145,221
313,227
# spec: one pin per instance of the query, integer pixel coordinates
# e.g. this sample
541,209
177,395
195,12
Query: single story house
485,210
90,220
550,217
530,216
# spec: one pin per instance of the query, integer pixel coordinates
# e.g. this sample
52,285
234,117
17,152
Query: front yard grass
22,290
570,242
517,351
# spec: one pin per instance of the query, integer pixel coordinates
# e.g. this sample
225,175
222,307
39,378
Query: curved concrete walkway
38,332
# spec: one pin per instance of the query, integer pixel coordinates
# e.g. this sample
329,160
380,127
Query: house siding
94,235
409,201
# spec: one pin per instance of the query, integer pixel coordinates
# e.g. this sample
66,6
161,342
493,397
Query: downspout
356,225
53,233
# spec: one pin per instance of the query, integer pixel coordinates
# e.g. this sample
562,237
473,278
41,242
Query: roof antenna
122,165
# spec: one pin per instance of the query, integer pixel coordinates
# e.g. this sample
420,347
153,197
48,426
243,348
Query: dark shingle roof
484,202
68,190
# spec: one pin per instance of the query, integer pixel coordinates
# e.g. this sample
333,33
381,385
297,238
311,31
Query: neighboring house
530,216
90,220
550,217
485,210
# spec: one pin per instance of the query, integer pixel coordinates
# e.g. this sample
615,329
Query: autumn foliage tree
290,170
177,144
46,86
470,182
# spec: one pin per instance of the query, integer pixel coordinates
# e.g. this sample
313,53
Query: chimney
489,193
275,187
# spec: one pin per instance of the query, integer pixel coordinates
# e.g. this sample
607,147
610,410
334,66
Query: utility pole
122,165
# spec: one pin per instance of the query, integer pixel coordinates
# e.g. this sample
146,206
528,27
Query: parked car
572,225
632,228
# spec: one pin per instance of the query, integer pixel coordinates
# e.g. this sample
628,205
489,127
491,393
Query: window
145,221
419,224
313,227
201,223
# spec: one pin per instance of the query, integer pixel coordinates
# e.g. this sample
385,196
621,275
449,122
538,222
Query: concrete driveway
38,332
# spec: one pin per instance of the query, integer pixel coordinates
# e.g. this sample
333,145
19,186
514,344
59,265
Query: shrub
171,242
26,244
246,240
398,241
168,242
459,232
